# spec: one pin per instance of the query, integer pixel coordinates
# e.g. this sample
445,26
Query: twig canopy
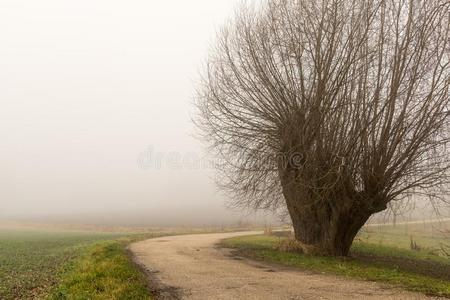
332,108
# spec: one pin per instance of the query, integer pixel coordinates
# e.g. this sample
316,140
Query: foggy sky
90,89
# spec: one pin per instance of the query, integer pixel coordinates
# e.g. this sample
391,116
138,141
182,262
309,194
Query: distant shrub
414,246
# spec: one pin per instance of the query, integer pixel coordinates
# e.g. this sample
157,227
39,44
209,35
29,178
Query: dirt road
193,267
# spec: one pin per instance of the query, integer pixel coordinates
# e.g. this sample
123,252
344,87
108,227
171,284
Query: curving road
193,267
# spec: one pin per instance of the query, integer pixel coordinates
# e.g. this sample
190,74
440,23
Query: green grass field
36,264
380,254
62,264
104,271
58,265
429,237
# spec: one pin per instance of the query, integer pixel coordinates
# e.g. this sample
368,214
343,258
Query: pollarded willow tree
332,109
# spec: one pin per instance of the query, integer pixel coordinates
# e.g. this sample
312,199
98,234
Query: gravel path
193,267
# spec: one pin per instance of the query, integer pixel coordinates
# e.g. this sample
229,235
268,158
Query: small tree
332,109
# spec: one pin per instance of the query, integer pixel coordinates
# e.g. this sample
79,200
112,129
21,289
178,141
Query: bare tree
330,108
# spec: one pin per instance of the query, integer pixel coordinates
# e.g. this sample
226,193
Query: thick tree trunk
323,231
324,226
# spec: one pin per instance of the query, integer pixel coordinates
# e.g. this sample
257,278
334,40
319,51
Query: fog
96,106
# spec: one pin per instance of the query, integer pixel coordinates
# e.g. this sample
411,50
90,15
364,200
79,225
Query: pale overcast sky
86,87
